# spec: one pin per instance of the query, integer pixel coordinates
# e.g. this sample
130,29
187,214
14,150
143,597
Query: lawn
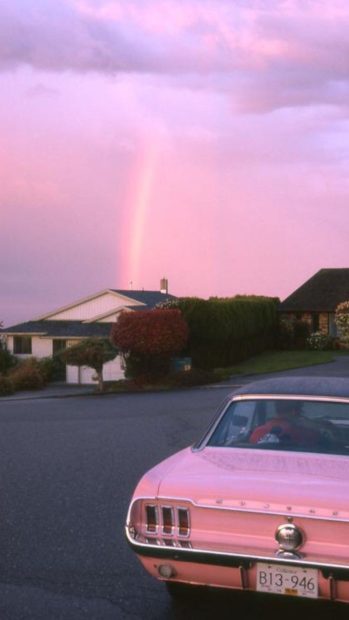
269,361
274,361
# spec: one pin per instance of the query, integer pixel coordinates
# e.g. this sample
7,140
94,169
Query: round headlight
289,537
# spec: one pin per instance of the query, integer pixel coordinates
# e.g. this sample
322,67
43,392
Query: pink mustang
261,502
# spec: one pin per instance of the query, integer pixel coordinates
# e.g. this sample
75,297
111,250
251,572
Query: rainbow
141,184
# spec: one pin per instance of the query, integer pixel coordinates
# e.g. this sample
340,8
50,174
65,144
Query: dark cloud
56,37
269,54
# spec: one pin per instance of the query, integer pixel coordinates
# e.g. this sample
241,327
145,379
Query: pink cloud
287,53
205,141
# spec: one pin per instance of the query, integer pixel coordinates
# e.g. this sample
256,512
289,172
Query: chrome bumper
329,570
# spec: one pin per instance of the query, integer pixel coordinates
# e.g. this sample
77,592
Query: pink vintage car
261,502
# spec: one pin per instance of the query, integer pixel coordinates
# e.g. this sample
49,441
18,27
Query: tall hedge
223,331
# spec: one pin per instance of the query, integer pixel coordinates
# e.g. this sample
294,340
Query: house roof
87,328
144,299
321,293
60,329
149,298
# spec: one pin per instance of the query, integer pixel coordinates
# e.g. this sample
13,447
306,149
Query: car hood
256,479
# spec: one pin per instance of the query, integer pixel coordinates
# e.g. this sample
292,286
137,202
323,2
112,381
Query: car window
284,424
238,422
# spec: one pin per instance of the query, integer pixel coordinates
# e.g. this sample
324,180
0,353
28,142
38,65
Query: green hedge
227,330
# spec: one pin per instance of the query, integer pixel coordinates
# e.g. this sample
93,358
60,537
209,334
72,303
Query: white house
91,316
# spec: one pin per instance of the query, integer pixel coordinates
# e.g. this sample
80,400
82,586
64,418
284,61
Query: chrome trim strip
227,555
199,445
284,514
340,399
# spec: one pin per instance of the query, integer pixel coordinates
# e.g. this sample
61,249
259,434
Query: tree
92,352
148,339
342,321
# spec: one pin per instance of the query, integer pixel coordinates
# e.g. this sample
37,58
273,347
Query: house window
22,345
58,345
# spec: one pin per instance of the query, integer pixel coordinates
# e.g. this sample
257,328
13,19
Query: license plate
291,580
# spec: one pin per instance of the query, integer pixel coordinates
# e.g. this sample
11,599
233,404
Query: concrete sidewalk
54,390
339,367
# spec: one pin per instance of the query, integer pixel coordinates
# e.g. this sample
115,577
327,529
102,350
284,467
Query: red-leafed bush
154,332
148,339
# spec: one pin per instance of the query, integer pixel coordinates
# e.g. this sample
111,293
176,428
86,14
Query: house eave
43,317
104,315
305,310
10,333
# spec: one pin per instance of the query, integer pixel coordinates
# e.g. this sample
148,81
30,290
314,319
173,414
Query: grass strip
275,361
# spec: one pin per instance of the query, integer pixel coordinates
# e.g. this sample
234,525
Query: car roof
302,386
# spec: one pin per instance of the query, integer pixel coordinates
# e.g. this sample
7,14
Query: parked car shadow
205,604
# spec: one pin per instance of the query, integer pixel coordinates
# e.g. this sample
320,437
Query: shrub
92,352
318,341
301,334
292,333
189,378
145,368
50,368
342,321
6,386
286,332
148,339
7,361
27,375
151,332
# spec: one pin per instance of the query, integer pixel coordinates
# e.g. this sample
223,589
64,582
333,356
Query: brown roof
321,293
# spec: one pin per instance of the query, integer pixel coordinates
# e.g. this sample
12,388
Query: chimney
164,286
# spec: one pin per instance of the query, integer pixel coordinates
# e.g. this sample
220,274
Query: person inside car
288,426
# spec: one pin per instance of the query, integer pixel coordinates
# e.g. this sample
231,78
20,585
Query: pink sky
201,140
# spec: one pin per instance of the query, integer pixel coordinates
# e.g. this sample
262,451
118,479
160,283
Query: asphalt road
67,470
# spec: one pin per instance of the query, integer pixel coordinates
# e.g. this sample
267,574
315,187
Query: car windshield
284,424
